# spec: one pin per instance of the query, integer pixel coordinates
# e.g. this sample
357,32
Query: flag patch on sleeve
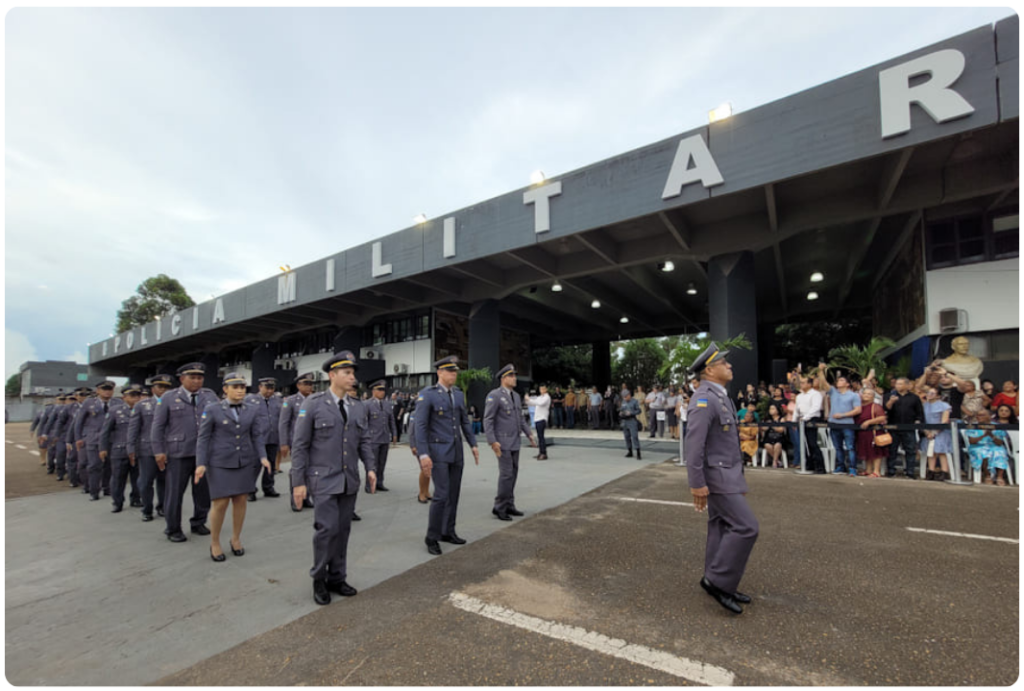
702,403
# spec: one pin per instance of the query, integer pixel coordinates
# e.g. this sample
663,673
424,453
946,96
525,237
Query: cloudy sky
216,145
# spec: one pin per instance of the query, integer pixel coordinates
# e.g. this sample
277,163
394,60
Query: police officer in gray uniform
331,437
87,437
140,445
72,462
714,466
383,430
174,434
59,432
46,439
503,423
270,407
54,433
114,448
629,411
440,415
286,425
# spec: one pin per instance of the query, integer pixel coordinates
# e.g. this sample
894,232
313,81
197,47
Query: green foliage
808,342
859,360
155,296
469,376
13,387
887,380
563,365
688,348
641,363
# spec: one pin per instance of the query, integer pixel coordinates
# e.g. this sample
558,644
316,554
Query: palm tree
861,361
689,349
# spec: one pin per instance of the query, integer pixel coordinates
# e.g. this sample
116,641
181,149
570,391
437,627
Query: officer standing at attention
503,422
383,430
629,411
47,438
270,407
76,472
715,469
87,437
286,425
440,414
331,437
174,434
140,445
114,448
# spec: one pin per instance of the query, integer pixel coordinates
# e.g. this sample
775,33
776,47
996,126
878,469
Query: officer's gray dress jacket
73,410
89,421
224,442
114,432
140,428
44,421
38,418
58,424
382,423
503,421
438,424
289,414
712,444
326,450
270,409
176,422
629,412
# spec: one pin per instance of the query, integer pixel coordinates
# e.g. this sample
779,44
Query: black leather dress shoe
341,588
433,547
94,497
721,597
271,493
136,503
147,517
177,537
382,488
356,517
117,509
85,490
201,530
320,593
60,478
454,539
252,496
630,454
500,515
514,512
741,598
160,511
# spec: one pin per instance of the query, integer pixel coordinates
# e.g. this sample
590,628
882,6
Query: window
973,239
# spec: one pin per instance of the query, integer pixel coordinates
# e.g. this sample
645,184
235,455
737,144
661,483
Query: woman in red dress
870,414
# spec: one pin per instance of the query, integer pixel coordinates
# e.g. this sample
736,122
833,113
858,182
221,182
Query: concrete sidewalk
97,598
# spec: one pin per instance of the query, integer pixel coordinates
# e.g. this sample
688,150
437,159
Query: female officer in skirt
232,441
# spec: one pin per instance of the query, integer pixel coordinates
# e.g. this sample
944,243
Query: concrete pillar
601,365
766,352
732,304
211,361
263,357
137,375
484,347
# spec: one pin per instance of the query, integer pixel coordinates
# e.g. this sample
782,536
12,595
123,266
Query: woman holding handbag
871,446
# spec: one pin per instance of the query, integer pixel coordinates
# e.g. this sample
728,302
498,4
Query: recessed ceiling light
596,304
817,277
812,295
556,287
667,266
624,320
691,288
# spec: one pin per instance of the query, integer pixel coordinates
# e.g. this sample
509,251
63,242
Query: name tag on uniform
702,403
725,428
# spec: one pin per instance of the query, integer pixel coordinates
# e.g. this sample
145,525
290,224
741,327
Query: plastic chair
764,458
828,451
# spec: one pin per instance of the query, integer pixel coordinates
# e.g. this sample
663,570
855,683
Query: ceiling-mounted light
537,177
691,288
817,277
420,218
596,304
812,295
556,287
624,320
667,266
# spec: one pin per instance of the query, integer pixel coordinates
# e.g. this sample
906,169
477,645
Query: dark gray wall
732,298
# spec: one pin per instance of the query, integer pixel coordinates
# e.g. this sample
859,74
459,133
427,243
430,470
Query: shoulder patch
302,413
204,414
285,404
420,398
702,403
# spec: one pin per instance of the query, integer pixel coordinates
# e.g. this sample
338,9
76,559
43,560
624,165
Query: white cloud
77,356
17,350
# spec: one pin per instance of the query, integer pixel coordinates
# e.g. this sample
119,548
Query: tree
564,365
688,348
806,343
13,387
641,363
156,296
860,361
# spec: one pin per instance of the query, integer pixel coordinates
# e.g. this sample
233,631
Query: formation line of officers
185,437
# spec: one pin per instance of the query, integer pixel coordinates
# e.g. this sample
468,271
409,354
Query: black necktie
193,400
234,409
451,399
106,407
344,413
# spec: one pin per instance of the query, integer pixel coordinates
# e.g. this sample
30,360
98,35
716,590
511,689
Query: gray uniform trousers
120,471
631,431
508,473
380,452
332,521
51,454
180,473
61,459
594,413
83,466
148,471
99,471
71,463
732,532
444,506
268,475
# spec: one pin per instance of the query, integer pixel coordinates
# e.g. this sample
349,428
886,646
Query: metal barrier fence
954,426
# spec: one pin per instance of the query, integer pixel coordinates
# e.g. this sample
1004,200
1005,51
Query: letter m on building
286,288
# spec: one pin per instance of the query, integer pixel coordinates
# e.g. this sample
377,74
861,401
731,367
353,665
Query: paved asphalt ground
595,589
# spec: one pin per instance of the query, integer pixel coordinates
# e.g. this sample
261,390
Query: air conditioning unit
401,369
952,320
371,353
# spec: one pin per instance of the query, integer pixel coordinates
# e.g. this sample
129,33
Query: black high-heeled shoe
219,557
237,552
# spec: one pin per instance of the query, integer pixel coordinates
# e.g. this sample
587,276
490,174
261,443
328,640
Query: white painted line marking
9,441
654,501
976,537
20,446
34,453
691,670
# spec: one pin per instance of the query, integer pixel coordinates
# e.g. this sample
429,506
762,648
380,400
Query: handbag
883,439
